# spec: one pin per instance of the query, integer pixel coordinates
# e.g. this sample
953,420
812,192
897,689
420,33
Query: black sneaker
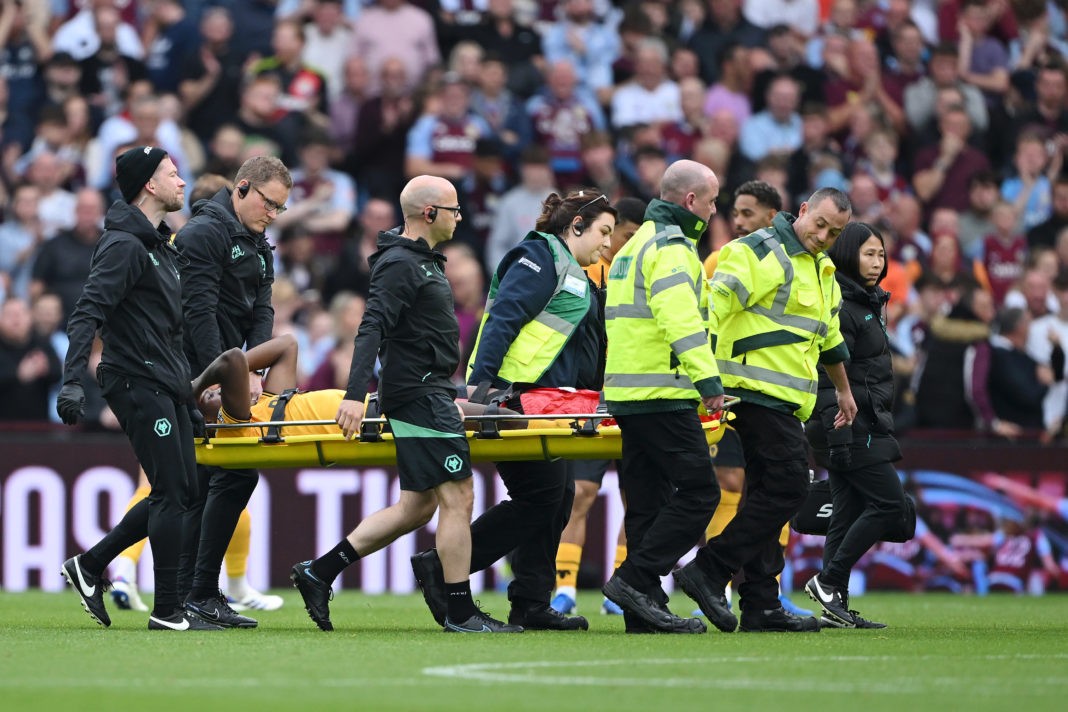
89,588
481,623
654,615
859,622
545,618
316,593
431,579
712,599
215,609
831,599
776,620
179,621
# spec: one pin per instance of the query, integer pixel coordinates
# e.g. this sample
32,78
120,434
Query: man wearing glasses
226,303
411,324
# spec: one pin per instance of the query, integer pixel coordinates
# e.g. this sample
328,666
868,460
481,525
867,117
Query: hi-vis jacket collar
665,213
784,222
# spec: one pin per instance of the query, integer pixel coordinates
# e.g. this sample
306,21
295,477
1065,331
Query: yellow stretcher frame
570,443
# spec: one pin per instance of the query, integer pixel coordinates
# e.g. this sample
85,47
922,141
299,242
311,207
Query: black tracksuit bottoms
867,502
222,496
776,483
162,438
670,490
530,523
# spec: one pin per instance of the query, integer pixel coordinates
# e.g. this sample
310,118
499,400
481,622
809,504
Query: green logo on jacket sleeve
620,267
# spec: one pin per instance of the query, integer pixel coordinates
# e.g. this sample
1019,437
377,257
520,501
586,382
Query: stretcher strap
274,433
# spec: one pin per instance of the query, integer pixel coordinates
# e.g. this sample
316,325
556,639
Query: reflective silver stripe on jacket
756,373
647,380
686,343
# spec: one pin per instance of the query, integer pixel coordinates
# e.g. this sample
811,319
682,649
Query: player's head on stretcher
222,391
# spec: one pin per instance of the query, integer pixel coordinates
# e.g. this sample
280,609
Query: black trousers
776,482
221,497
867,501
670,489
529,523
162,438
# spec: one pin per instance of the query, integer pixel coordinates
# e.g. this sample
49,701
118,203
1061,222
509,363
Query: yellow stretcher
582,439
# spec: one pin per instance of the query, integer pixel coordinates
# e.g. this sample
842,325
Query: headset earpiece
432,215
579,226
242,190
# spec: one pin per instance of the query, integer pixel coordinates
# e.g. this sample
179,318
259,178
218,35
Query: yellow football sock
133,552
725,512
568,558
621,555
784,536
237,553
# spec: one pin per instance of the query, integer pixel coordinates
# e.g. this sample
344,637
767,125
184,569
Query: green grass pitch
941,653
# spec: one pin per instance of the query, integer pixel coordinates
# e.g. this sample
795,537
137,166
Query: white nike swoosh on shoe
88,590
184,625
826,598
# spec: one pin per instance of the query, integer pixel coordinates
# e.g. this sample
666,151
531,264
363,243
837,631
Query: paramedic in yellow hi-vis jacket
660,368
775,305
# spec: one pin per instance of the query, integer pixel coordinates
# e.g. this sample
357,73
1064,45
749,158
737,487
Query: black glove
70,404
200,430
841,457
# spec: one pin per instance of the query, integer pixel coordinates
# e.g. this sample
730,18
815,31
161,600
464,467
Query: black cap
134,167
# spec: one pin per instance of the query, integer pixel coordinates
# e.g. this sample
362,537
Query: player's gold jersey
313,405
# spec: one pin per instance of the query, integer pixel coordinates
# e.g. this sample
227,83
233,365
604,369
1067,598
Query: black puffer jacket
871,378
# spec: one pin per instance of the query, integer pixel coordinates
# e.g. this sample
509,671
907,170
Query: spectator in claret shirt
1004,252
443,143
942,171
561,118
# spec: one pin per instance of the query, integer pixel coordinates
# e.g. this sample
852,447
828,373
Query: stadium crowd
945,121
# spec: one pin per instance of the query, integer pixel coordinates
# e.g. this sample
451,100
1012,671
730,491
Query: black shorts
589,470
431,445
728,451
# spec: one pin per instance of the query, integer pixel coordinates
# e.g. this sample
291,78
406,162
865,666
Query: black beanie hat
134,167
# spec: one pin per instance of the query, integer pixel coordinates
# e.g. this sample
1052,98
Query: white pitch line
530,672
222,683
